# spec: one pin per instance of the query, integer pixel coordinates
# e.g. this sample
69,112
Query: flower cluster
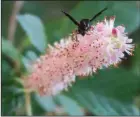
76,55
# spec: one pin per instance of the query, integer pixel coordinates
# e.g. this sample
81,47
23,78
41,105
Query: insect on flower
84,24
82,55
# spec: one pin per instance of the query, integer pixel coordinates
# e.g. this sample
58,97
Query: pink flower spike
78,55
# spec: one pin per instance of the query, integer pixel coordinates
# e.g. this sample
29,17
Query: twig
13,22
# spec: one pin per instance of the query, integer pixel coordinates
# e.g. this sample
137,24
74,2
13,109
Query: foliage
108,92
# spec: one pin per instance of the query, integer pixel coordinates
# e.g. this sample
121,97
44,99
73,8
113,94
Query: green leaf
5,67
136,61
100,105
117,84
9,50
70,106
37,109
34,29
27,63
135,35
12,100
46,102
29,57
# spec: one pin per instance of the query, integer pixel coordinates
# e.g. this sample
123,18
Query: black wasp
84,24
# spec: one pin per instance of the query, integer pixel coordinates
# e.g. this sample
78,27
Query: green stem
28,106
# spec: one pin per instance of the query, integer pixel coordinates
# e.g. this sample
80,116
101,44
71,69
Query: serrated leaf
69,105
34,29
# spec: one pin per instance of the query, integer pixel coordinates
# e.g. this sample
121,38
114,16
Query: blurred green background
27,28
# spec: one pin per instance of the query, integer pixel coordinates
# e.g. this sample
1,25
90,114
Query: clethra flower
77,55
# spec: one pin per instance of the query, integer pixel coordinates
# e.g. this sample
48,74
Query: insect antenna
97,14
71,18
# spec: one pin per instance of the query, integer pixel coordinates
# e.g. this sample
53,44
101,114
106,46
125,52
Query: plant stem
13,22
28,104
